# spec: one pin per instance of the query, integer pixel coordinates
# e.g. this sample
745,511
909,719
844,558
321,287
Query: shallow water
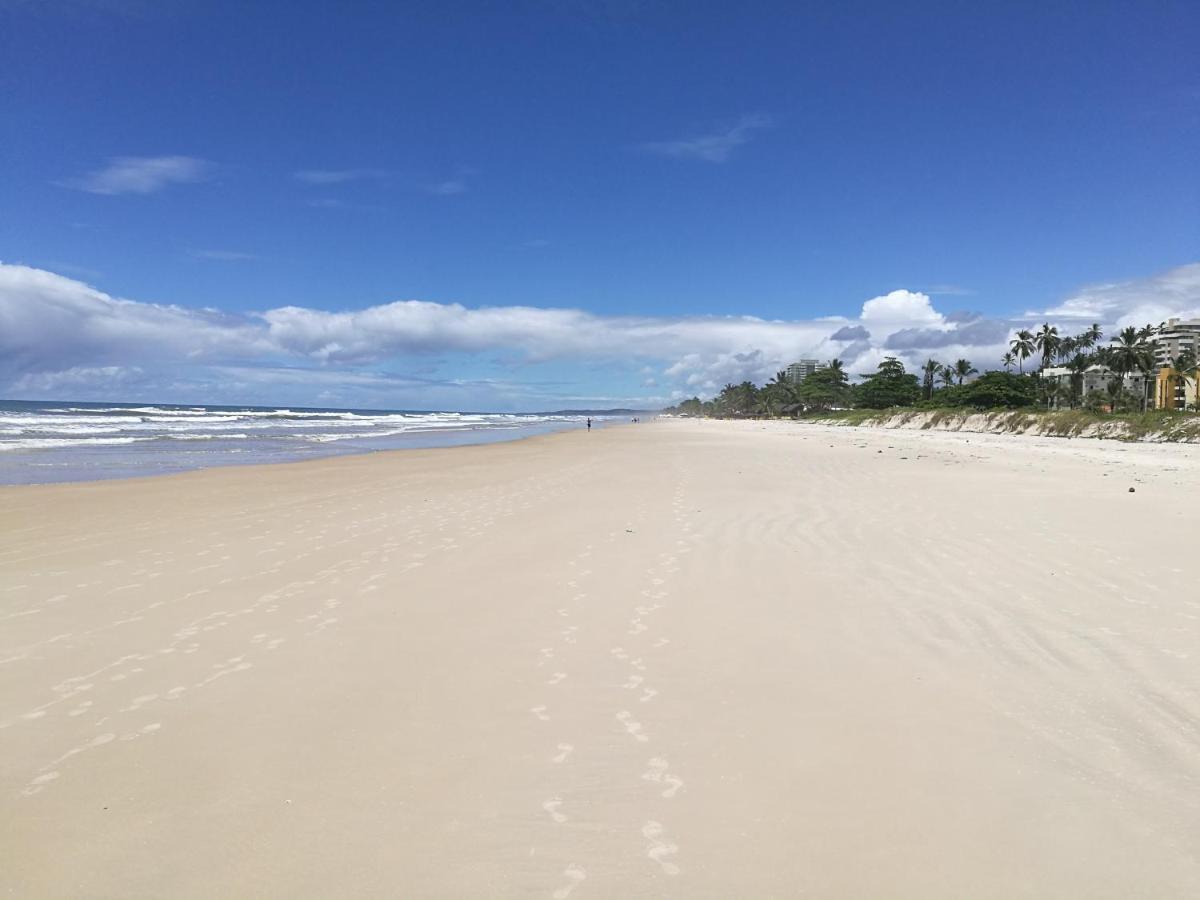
44,442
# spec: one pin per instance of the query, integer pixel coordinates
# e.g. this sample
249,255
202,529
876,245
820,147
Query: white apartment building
1096,379
1177,336
801,369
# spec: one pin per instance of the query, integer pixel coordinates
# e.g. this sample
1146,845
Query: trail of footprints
657,775
376,537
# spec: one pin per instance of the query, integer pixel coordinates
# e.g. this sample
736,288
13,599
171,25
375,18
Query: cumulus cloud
58,331
982,332
906,308
715,148
140,174
51,323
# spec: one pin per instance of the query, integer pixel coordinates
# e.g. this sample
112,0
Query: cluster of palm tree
1050,345
950,375
779,396
1132,351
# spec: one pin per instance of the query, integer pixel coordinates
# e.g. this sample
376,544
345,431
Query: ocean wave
50,443
61,426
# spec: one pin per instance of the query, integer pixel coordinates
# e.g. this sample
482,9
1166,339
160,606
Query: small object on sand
1131,490
629,531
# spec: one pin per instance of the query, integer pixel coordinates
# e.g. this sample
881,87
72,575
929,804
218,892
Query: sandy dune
678,659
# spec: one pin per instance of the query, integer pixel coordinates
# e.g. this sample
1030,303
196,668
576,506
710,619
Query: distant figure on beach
589,423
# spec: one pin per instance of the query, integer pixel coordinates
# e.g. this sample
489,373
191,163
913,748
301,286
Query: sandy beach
679,659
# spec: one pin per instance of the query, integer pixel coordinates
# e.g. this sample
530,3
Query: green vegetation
1092,396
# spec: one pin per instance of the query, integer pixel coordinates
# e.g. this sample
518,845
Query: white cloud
1135,302
107,378
52,326
141,174
52,323
904,308
712,147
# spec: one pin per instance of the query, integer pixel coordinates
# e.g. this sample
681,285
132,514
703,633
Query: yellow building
1167,393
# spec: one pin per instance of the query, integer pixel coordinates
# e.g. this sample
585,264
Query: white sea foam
62,427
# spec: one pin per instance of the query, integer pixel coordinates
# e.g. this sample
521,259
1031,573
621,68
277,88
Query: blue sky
672,164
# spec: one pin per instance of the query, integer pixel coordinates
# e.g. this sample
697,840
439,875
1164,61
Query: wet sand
692,659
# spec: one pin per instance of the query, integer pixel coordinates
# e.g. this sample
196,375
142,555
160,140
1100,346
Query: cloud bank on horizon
63,339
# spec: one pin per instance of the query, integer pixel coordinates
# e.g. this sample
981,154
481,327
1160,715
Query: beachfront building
1175,338
1096,380
1173,392
801,369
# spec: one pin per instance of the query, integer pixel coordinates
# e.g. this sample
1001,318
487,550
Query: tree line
1131,351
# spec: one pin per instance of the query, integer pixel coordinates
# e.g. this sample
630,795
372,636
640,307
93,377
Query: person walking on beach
589,423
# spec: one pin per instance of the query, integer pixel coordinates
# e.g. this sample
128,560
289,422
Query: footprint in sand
139,702
540,712
558,676
633,682
648,694
37,784
658,849
634,729
658,773
661,642
565,751
551,806
638,627
574,874
545,655
619,652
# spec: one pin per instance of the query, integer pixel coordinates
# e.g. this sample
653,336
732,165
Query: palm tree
1009,359
836,365
930,370
1088,339
1022,346
1186,367
964,369
947,375
1067,348
1148,333
777,393
1130,351
1047,342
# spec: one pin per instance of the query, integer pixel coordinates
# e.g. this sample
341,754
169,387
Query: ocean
43,442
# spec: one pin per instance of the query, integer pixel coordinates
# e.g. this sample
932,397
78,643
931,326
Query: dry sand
677,659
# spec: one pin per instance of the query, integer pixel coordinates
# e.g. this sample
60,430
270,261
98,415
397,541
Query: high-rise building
1176,337
801,369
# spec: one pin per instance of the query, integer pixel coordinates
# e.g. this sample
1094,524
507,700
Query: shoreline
691,659
327,458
